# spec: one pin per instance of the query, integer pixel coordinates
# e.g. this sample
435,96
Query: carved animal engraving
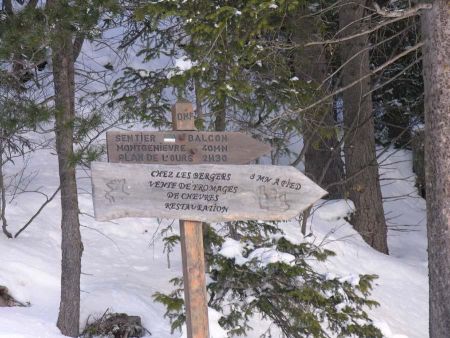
117,190
271,199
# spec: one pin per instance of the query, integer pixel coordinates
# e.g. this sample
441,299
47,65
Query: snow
262,256
231,248
334,210
265,256
124,263
181,65
143,73
216,330
184,64
351,279
313,7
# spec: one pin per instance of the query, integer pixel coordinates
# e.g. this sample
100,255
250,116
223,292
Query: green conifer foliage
239,66
291,293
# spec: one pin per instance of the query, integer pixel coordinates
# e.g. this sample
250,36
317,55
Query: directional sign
183,147
201,192
139,183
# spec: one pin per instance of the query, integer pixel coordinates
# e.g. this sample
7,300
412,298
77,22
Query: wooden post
183,116
194,279
195,296
123,189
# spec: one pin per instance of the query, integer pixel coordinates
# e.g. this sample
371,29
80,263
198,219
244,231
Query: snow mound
263,256
215,330
334,210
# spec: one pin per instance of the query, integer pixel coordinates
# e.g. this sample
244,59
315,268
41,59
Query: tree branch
7,6
77,45
32,4
405,15
328,78
400,13
37,212
394,77
376,70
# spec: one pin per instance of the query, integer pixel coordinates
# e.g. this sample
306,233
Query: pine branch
376,70
32,4
401,13
394,18
7,6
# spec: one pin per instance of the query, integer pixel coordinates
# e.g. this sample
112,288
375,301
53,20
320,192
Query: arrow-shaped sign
210,193
183,147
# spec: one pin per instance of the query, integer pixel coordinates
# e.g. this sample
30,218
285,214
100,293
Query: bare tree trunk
323,162
363,183
3,194
220,108
220,124
199,105
71,245
436,31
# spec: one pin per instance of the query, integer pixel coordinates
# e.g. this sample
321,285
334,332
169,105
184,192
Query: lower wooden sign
205,192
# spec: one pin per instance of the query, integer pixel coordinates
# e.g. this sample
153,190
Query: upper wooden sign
183,147
209,193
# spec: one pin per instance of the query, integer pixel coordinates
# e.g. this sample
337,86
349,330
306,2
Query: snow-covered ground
124,263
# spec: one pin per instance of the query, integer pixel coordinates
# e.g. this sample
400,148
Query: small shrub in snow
6,300
265,273
114,325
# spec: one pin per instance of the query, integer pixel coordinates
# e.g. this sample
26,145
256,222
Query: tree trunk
323,162
71,245
436,31
3,194
220,124
363,185
220,108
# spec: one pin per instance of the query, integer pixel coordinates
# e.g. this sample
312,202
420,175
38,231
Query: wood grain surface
204,192
183,147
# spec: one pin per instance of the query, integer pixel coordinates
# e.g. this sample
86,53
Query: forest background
332,86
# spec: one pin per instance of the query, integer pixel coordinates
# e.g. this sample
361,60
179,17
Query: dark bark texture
323,162
3,196
220,107
71,245
363,185
436,31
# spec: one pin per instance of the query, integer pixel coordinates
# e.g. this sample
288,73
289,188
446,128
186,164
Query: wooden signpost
183,147
202,192
140,183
